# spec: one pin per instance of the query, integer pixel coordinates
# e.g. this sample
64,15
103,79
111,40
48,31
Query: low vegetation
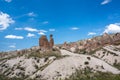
46,54
87,74
93,51
3,77
117,65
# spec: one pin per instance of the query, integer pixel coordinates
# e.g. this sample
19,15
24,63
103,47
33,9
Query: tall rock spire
51,43
44,44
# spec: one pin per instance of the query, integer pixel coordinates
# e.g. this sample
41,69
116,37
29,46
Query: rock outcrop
106,39
94,43
51,43
45,44
116,38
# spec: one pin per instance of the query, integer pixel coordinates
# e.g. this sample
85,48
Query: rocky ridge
93,43
62,61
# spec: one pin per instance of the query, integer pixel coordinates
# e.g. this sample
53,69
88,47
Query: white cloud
30,29
31,14
8,1
14,37
105,2
12,46
52,30
74,28
112,28
5,21
30,35
41,33
91,33
45,22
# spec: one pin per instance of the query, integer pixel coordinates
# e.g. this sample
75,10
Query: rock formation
95,43
116,38
44,44
106,39
51,43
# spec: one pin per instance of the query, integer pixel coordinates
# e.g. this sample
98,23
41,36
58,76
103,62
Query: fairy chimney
51,43
43,42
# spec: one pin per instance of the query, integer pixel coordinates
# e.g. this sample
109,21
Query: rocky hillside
92,44
71,61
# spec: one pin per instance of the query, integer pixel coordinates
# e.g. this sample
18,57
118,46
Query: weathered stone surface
106,39
44,44
116,38
51,43
64,45
96,42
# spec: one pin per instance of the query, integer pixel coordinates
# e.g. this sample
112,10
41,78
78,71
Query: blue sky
22,22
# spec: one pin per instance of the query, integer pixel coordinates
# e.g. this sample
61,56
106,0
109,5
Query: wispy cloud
14,37
28,29
52,30
8,1
45,22
112,28
18,28
5,21
74,28
30,35
91,33
41,33
12,46
32,14
105,2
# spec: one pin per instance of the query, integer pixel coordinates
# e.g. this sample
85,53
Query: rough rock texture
95,42
106,39
116,38
64,67
44,44
51,43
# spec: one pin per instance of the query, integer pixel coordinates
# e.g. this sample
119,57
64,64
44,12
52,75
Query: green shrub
86,63
117,65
